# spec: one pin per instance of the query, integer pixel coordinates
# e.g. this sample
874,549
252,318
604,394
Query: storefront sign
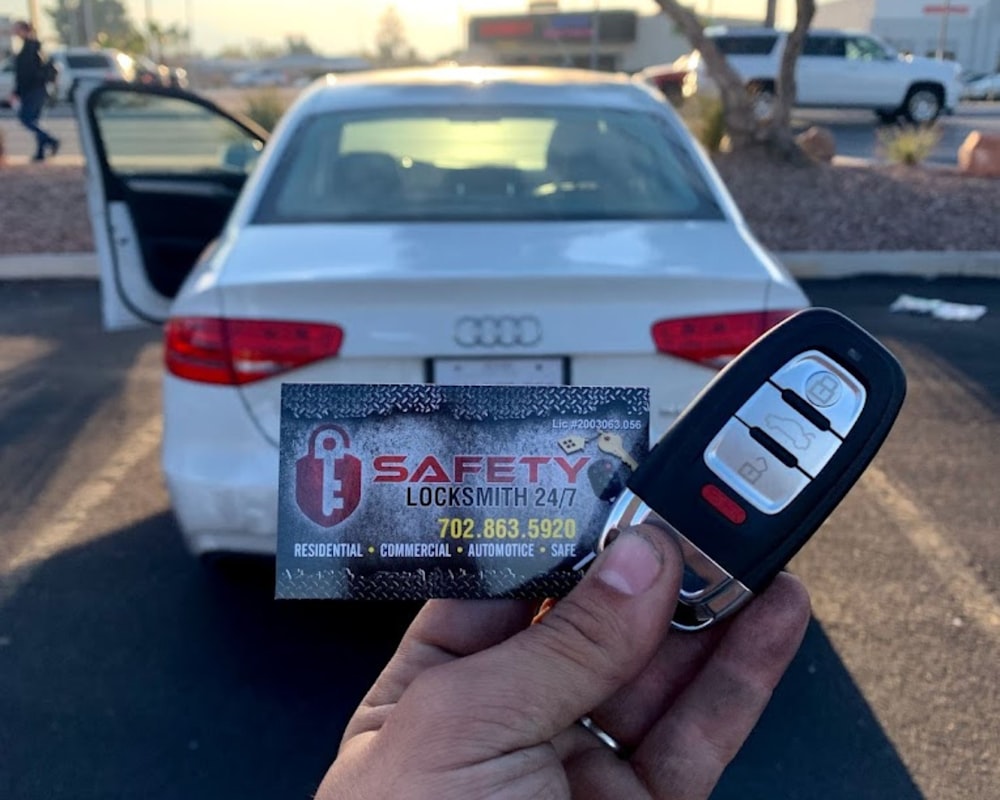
614,27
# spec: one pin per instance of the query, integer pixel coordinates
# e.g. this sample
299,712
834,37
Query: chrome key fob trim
708,593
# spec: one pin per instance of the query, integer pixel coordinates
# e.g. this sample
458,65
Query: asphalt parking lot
129,670
856,132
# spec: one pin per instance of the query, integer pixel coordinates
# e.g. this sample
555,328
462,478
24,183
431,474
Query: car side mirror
240,156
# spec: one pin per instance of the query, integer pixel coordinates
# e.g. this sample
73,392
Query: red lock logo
328,480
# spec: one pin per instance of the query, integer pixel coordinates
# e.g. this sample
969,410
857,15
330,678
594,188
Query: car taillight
715,340
239,351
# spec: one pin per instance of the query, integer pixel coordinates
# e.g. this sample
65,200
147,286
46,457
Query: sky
343,27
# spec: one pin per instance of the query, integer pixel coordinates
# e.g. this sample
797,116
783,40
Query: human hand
478,703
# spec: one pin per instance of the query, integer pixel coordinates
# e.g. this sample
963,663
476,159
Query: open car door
164,169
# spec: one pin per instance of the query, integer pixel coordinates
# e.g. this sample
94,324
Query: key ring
605,738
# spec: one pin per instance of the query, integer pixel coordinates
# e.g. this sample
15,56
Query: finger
632,711
443,631
684,754
536,684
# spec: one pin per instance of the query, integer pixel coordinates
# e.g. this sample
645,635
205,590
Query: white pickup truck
837,69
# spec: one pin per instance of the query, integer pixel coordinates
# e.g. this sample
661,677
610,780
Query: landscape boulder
818,143
979,155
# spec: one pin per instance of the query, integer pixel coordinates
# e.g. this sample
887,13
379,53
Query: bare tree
746,127
391,42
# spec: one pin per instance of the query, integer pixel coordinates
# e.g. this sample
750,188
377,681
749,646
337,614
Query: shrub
909,144
265,107
706,121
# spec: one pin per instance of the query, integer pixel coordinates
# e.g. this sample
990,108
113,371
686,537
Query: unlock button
752,471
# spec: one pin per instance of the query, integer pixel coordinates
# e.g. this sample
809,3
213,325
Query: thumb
590,644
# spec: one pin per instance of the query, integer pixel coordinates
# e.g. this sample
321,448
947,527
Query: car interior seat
364,181
583,154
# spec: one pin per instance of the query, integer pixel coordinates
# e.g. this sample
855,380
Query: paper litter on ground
939,309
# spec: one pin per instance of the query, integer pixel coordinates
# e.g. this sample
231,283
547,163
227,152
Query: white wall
845,14
657,42
973,37
914,8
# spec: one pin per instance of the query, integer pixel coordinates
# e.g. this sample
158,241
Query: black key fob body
762,456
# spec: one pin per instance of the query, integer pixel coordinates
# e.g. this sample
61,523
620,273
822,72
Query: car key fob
761,457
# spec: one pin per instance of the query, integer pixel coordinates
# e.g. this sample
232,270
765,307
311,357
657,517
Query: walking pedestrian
31,90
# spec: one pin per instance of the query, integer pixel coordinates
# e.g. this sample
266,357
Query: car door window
861,48
824,46
143,133
750,45
88,61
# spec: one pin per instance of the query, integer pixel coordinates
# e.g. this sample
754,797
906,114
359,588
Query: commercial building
967,31
609,39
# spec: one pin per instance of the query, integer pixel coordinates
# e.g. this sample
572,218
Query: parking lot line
946,557
63,531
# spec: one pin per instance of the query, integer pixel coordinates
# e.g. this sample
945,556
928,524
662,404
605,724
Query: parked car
984,88
178,78
149,73
79,64
669,78
521,225
837,69
260,78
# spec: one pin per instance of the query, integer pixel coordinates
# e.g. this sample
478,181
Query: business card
409,492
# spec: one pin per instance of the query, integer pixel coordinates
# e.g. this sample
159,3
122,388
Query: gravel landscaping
43,208
864,208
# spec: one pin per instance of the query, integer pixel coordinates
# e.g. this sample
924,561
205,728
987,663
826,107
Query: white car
450,225
984,88
260,78
837,69
80,64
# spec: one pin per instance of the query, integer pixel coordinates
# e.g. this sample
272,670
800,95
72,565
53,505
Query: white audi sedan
452,225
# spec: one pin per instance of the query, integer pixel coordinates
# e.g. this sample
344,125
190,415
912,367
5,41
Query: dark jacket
29,69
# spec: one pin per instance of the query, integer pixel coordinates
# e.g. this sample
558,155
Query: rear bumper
222,474
223,517
220,471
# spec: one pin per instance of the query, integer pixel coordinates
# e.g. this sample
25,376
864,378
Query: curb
920,264
811,265
48,266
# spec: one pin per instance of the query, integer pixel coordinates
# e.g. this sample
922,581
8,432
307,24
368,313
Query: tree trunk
781,135
737,105
745,130
772,13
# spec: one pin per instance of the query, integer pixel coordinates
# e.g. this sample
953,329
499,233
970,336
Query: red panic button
721,502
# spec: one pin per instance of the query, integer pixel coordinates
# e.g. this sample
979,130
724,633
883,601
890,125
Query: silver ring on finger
604,737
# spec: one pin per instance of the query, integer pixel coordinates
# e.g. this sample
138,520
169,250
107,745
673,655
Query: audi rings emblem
498,331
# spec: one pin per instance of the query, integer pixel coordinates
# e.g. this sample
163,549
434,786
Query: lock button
826,386
751,470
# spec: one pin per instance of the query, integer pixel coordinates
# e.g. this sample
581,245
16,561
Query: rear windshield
88,61
733,45
485,164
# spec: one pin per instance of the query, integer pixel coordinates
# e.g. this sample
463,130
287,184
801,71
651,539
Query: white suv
78,64
837,69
